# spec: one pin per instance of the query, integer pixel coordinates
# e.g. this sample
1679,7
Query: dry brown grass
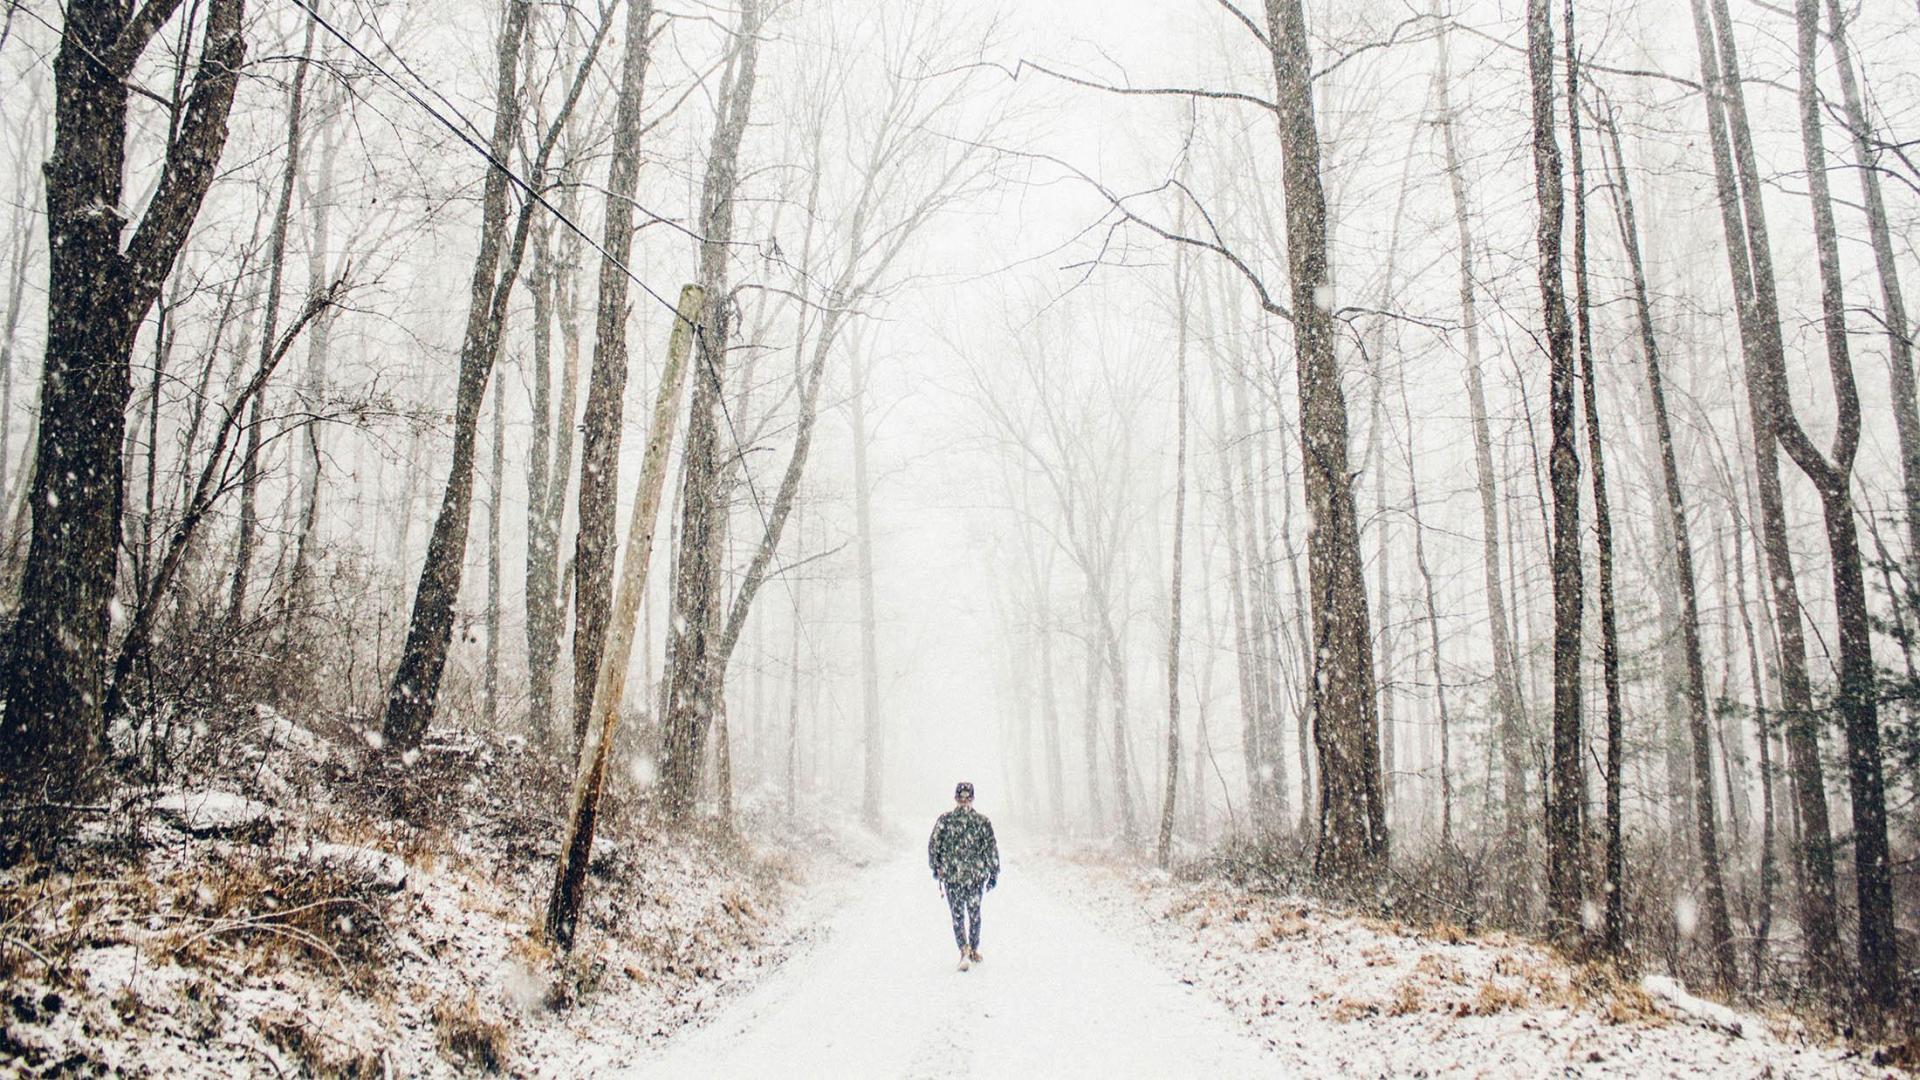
1347,1010
1408,998
469,1036
1628,1004
1493,997
1282,927
1184,905
273,909
1442,968
318,1052
1378,956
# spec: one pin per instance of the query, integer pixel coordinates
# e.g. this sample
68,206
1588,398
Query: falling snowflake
643,771
1686,914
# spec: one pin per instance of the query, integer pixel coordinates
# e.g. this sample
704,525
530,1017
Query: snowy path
879,996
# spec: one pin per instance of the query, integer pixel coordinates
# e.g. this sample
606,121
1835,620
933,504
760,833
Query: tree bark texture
1751,268
696,594
1832,478
1351,849
99,291
1508,712
583,810
607,380
415,689
1564,890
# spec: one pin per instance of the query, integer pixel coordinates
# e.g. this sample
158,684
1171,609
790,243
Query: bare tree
1164,848
415,689
1750,264
583,809
607,382
1831,475
1906,413
270,322
692,700
1508,710
100,289
1563,790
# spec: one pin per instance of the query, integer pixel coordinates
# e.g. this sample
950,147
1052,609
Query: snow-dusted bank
274,925
1329,994
275,933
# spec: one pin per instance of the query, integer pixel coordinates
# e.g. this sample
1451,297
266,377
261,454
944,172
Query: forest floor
286,916
272,922
1095,971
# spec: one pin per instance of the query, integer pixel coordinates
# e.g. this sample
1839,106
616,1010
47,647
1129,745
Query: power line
485,153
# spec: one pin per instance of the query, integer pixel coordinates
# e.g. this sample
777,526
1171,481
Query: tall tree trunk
548,586
607,383
1832,478
694,679
270,325
1564,890
873,730
563,904
1433,630
1262,611
1164,850
1602,504
1265,586
1376,463
1751,268
99,291
1117,686
1351,850
415,690
9,326
416,682
1090,729
793,688
319,198
1615,923
1049,696
1265,815
1506,680
542,611
491,694
1763,916
1893,310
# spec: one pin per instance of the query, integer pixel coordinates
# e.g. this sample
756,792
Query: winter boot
963,961
973,955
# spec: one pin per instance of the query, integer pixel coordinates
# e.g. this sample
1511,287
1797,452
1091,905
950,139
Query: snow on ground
1095,972
878,995
1334,995
316,937
280,928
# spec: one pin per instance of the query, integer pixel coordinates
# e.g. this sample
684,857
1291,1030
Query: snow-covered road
879,996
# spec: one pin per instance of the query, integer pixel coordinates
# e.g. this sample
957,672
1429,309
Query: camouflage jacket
962,850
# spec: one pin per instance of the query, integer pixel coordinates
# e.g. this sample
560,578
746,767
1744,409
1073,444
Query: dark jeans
964,902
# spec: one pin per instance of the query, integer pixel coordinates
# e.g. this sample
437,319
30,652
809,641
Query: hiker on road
966,862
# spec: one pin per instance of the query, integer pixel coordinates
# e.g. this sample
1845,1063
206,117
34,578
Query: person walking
965,860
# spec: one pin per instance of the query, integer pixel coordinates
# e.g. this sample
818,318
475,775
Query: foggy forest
516,517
